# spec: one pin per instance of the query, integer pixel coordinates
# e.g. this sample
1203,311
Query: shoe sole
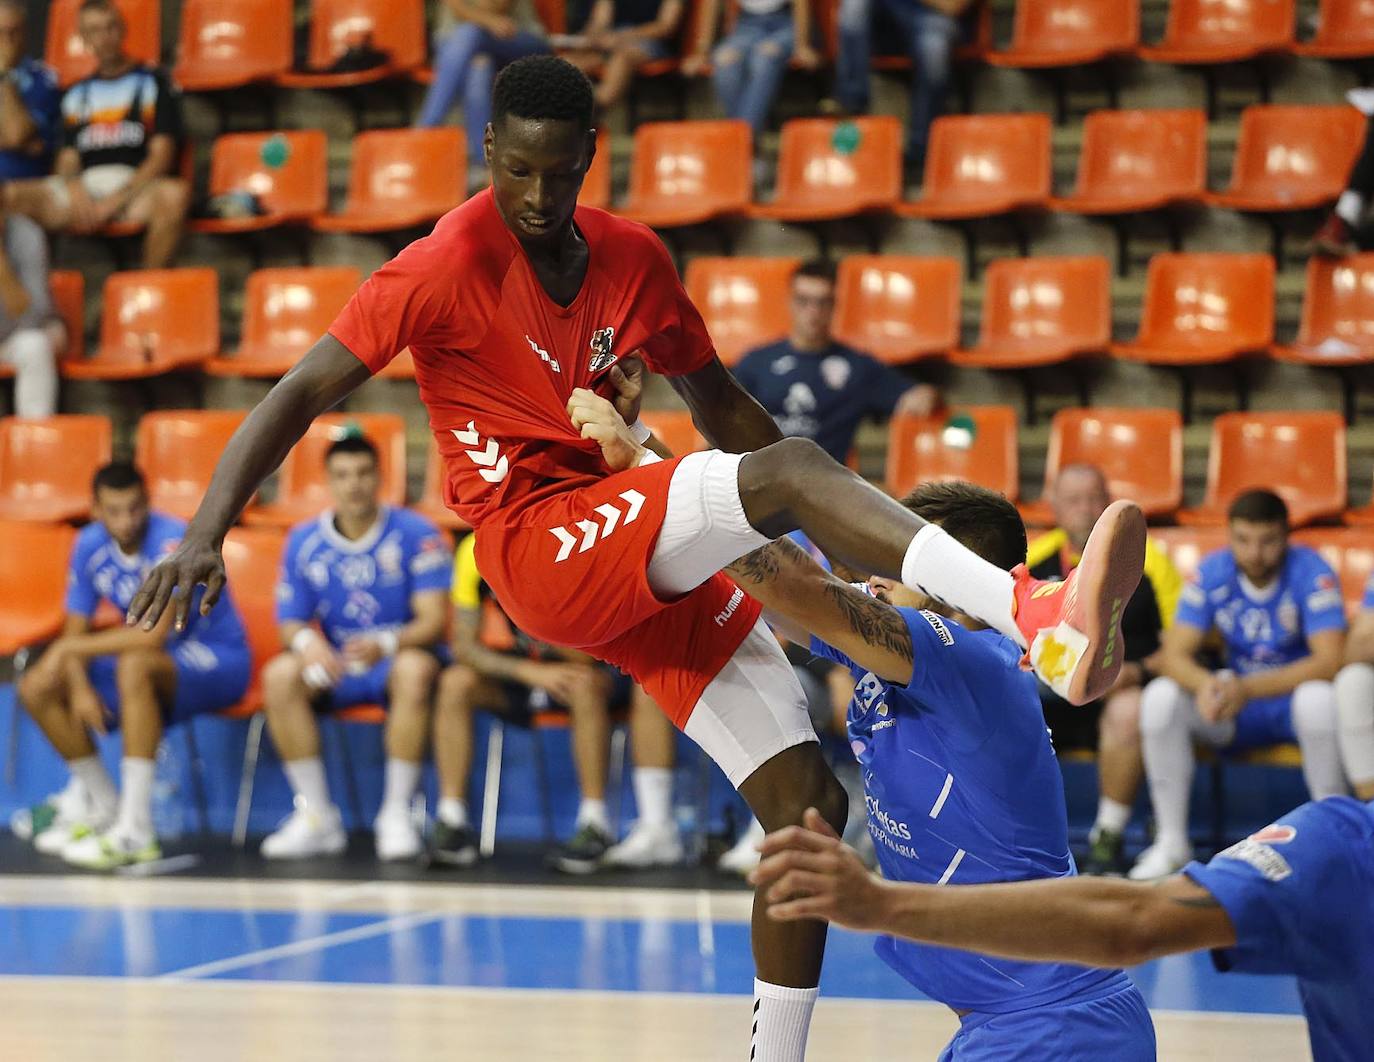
330,849
579,867
465,858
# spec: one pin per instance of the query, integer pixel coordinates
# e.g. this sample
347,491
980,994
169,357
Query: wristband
640,431
647,458
388,642
303,639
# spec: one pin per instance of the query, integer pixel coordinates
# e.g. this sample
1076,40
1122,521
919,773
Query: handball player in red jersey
519,309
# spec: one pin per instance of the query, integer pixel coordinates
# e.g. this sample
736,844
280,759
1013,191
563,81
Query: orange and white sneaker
1073,626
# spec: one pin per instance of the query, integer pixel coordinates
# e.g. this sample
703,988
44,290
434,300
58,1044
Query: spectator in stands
362,604
509,674
92,680
1355,700
121,132
1336,237
1278,611
818,388
29,101
31,333
1111,725
748,65
622,35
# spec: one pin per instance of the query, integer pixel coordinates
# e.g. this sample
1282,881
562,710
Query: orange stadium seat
984,164
1345,30
1348,551
154,321
401,367
1139,160
229,43
924,449
1362,517
1300,456
400,178
1337,326
301,488
1140,451
1223,31
833,169
1187,546
1056,33
293,190
177,452
46,465
1292,158
897,308
674,429
596,189
284,312
68,288
685,173
67,54
431,503
744,301
33,571
396,27
252,562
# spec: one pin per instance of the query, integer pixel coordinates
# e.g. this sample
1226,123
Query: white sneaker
74,820
646,846
1157,861
63,808
110,849
396,837
307,832
744,857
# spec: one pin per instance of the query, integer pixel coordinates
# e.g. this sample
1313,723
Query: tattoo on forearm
764,565
1201,902
878,624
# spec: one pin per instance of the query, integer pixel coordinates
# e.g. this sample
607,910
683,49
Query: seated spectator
121,128
138,680
362,604
818,388
1336,237
1278,611
621,36
29,101
1355,700
1110,726
31,333
654,840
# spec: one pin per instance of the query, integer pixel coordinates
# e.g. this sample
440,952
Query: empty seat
1054,33
1299,456
399,178
252,563
596,187
302,491
1345,30
898,308
833,169
1349,552
153,321
46,466
684,173
284,312
67,54
977,443
229,43
1223,31
177,452
674,429
1292,158
979,165
1337,326
286,171
1139,160
68,287
33,571
744,301
396,27
1187,546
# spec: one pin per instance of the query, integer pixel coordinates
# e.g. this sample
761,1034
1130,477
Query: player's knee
413,671
458,687
38,689
1159,706
1121,716
173,196
1314,710
729,56
772,479
810,784
136,668
281,679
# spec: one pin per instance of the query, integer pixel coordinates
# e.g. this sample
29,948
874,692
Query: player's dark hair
98,5
817,269
542,86
981,519
1259,507
117,475
352,443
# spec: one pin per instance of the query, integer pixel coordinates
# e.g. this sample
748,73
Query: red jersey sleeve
678,342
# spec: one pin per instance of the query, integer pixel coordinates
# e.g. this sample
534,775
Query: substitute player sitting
362,605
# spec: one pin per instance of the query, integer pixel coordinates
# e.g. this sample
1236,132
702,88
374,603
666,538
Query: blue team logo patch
937,624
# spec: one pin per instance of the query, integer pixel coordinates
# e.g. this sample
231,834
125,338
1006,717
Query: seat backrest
1345,21
1049,303
420,168
1200,298
302,481
396,27
286,310
33,571
1338,306
898,307
1139,451
249,38
1187,546
65,52
701,162
1292,151
1146,152
68,287
1228,22
177,451
252,562
1299,456
596,188
977,443
46,464
744,301
287,171
856,160
1349,551
674,429
979,156
1049,26
160,315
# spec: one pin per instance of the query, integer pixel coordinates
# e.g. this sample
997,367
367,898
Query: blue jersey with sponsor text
1300,894
962,788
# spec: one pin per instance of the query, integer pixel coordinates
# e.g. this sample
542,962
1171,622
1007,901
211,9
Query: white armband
388,641
303,639
640,431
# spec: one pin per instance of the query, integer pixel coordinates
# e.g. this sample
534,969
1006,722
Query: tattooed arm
802,598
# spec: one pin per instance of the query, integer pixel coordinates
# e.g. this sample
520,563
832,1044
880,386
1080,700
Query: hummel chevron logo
543,355
491,462
590,532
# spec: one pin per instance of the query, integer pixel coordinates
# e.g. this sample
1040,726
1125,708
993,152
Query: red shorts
572,570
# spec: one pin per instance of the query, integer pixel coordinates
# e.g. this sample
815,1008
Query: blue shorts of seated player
209,678
1073,1032
372,686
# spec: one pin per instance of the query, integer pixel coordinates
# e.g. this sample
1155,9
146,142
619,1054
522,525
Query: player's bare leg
409,690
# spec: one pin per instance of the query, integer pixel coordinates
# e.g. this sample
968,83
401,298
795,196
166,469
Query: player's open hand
808,872
193,563
597,419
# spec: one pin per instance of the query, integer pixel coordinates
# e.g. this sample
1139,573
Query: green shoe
1106,855
108,850
582,854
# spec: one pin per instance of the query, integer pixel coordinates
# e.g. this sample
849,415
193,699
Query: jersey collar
330,533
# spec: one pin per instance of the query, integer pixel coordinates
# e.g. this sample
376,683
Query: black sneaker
454,846
1106,855
582,854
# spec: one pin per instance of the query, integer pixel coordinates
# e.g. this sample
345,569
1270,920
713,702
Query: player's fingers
817,907
793,837
144,598
817,824
160,582
185,587
796,884
214,586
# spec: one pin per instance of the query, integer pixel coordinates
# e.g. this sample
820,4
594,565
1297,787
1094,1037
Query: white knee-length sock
939,565
782,1019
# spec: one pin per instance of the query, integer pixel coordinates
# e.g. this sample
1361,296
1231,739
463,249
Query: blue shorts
367,687
653,48
1264,723
1116,1026
210,678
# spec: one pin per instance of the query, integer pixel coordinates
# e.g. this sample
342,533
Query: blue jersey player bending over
960,779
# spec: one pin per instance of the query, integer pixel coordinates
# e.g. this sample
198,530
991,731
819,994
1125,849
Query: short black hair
1258,507
981,519
117,475
817,269
352,442
543,86
99,5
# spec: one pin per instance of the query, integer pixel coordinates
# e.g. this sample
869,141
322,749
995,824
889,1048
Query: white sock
654,796
99,786
593,813
453,812
307,782
136,797
1350,207
1112,815
938,565
1167,742
1355,714
402,778
782,1018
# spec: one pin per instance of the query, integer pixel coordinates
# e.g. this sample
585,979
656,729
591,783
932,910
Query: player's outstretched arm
724,411
327,373
808,872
